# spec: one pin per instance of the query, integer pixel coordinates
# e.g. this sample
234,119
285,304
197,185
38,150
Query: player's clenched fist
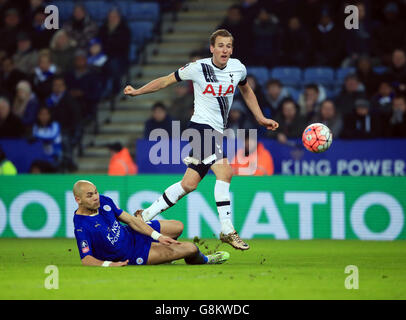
129,90
269,124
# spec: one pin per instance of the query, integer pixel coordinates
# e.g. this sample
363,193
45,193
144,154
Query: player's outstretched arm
138,224
252,103
152,86
92,261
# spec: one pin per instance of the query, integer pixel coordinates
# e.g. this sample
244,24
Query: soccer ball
317,137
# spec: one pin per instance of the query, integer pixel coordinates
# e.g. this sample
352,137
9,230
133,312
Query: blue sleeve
83,242
116,210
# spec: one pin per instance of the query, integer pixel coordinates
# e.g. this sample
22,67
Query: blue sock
198,258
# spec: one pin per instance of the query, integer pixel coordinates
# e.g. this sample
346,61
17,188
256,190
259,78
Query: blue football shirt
102,236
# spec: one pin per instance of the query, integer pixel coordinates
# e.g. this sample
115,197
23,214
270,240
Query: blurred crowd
309,33
51,81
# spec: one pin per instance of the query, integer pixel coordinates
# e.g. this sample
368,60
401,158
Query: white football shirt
213,89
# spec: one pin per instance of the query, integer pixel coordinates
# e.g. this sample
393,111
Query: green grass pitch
291,269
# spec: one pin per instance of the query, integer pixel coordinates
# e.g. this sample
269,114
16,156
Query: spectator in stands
309,101
64,107
242,34
62,50
253,159
33,7
25,104
66,111
8,34
96,58
250,10
367,76
43,73
296,44
397,72
181,107
390,34
84,85
26,57
267,38
10,125
328,115
358,41
352,90
41,36
361,123
291,124
382,101
121,162
159,120
81,28
42,166
397,120
116,38
48,132
9,77
274,95
7,168
309,11
327,44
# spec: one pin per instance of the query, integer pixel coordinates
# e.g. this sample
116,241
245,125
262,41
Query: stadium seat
288,76
260,73
319,75
294,93
380,69
133,53
97,9
123,6
65,8
141,31
143,11
341,73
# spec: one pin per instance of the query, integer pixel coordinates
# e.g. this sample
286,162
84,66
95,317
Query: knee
226,175
188,186
178,228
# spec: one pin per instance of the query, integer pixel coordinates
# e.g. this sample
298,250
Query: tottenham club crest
231,77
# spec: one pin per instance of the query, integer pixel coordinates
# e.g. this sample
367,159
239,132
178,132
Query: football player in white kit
214,80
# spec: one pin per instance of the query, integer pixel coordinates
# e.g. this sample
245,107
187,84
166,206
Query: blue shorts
211,146
143,244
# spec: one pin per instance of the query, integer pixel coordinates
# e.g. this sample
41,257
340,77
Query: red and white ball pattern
317,137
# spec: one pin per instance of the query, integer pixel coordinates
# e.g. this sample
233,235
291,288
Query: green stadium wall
274,207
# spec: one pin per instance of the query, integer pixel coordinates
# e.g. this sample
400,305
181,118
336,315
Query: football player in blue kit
103,241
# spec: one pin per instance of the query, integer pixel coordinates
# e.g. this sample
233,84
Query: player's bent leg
160,253
171,228
190,180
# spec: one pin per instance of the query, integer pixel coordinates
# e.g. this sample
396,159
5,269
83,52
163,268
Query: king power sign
279,207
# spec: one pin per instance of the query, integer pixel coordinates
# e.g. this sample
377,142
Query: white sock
171,195
222,197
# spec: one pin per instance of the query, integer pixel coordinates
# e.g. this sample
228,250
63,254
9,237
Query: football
317,137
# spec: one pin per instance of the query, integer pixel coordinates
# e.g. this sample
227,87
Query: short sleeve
243,79
187,72
83,242
116,210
